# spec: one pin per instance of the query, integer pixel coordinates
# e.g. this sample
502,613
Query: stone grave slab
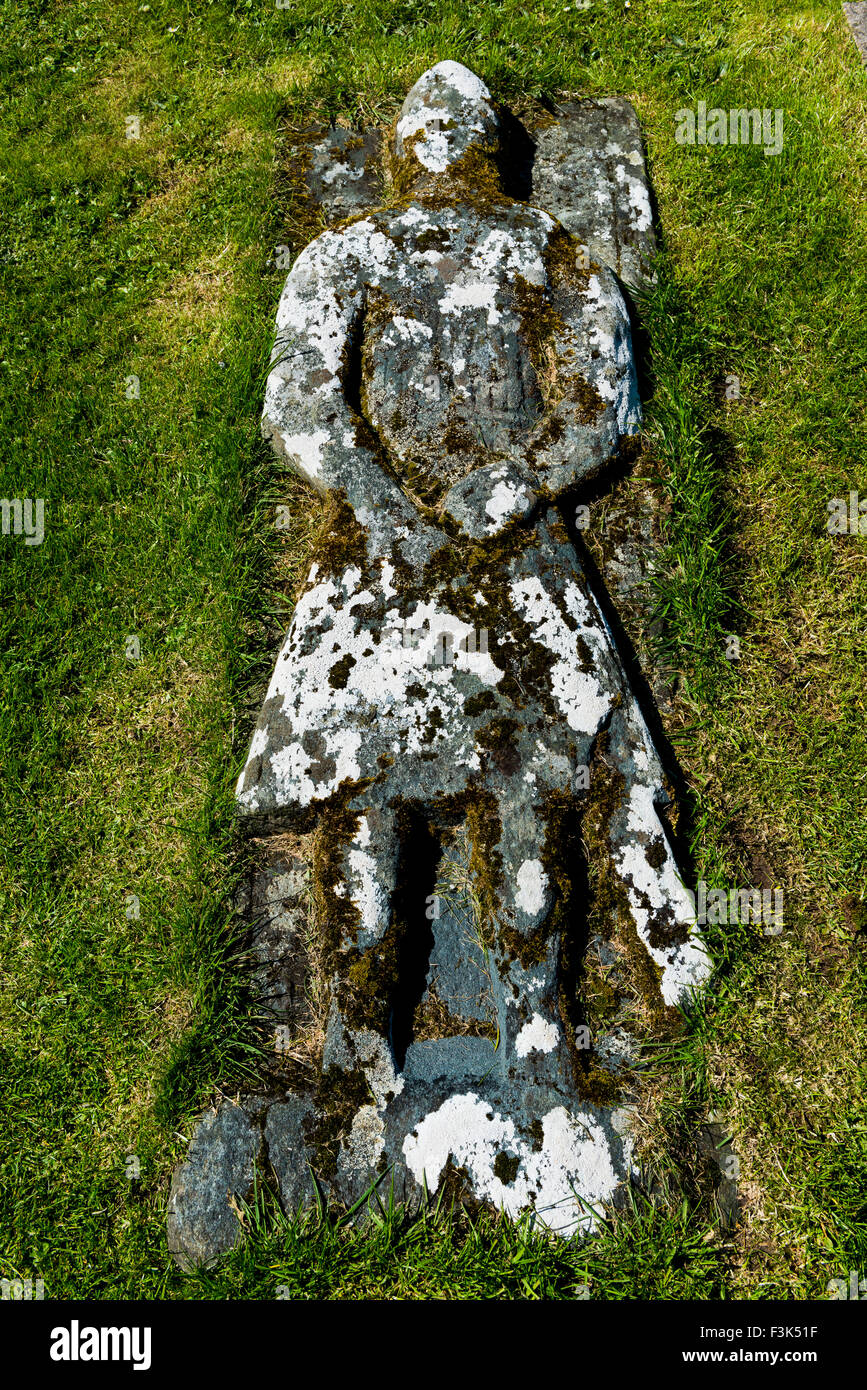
497,917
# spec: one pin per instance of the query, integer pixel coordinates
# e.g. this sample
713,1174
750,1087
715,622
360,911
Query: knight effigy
500,917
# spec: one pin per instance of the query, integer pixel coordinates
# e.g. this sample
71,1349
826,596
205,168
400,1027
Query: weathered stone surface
275,901
589,172
856,14
218,1168
343,175
284,1133
501,916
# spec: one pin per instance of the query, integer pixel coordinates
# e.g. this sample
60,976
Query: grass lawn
139,291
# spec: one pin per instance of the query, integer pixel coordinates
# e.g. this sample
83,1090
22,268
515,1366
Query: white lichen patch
386,577
513,252
477,294
367,892
413,216
579,694
494,262
532,894
644,754
366,1142
649,889
505,500
462,79
383,655
408,330
433,150
539,1035
574,1160
639,199
609,349
304,451
342,173
446,107
374,1056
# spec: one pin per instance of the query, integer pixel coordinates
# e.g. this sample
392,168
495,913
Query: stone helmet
447,114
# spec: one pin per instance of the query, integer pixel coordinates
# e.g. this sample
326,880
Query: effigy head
448,116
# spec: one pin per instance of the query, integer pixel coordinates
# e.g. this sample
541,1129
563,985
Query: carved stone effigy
499,914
